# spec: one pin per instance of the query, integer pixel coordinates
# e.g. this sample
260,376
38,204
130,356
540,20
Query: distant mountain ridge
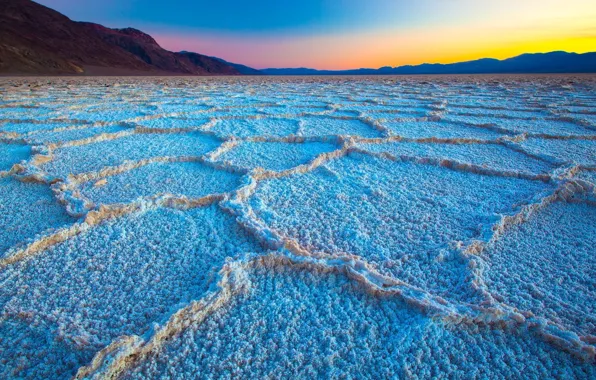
35,39
553,62
242,69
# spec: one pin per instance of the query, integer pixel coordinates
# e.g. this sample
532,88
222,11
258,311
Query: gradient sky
343,34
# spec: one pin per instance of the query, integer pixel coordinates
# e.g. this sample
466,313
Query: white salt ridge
416,129
29,112
174,123
108,114
32,127
274,155
189,179
305,323
561,151
279,110
399,112
255,127
499,112
546,265
70,133
231,113
26,211
388,110
11,154
587,175
115,279
327,126
548,125
112,152
344,112
491,156
358,204
176,106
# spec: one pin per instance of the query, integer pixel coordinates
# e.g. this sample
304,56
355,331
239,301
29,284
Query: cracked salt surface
274,227
315,324
113,150
115,279
189,179
420,129
274,155
491,156
403,217
70,133
26,126
11,154
255,127
326,126
587,175
579,152
550,272
27,210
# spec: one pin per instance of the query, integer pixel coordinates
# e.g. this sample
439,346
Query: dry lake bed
330,227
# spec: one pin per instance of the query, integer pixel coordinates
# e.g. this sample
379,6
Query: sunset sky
343,34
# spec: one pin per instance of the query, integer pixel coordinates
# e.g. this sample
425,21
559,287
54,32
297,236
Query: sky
345,34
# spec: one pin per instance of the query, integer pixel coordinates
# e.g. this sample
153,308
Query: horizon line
417,64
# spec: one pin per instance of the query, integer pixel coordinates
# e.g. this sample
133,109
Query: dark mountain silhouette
242,69
554,62
37,40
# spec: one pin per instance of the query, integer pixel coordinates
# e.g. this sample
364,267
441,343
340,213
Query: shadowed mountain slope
37,40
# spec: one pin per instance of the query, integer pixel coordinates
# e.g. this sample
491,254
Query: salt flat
376,227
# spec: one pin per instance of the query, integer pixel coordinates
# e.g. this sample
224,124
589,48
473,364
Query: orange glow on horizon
327,54
582,44
534,27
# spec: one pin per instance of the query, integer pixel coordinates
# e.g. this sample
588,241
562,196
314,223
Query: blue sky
339,34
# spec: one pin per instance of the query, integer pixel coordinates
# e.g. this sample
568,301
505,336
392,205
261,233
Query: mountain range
37,40
553,62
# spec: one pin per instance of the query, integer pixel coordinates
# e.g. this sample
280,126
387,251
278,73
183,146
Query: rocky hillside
38,40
